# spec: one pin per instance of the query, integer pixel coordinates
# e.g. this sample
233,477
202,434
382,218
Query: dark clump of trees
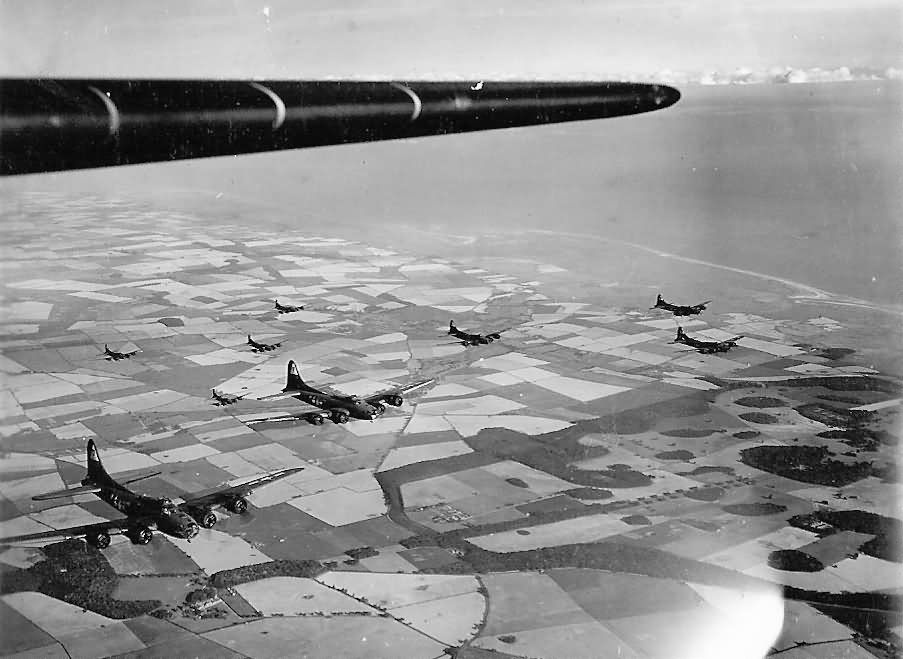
758,417
200,595
362,552
589,493
807,464
244,574
711,470
679,454
794,560
79,574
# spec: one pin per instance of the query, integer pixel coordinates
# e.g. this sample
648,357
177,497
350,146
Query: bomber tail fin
451,327
293,381
680,333
96,472
250,343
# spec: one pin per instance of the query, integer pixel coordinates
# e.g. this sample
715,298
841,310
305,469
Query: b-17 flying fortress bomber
680,309
114,355
285,308
341,409
144,514
224,399
705,347
468,339
257,346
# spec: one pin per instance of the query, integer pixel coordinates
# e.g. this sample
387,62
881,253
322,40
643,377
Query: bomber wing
222,496
112,527
54,124
378,398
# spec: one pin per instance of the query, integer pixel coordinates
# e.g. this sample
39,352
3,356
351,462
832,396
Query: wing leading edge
224,496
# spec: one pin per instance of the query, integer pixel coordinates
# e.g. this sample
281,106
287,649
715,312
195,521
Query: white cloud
774,75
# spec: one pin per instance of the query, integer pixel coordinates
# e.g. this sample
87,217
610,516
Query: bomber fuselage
161,512
355,407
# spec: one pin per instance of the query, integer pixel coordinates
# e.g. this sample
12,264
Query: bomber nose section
190,530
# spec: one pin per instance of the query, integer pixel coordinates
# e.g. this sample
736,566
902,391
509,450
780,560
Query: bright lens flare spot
744,625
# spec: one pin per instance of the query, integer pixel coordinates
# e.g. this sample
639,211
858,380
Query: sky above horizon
471,40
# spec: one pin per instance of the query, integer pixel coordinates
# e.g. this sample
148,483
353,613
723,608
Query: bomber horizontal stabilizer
68,492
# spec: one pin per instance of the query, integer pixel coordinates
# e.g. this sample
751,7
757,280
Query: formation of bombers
183,518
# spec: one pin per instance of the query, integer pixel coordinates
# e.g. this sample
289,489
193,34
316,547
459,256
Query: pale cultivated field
452,620
419,423
296,596
431,491
214,551
827,580
479,406
446,390
754,552
13,463
338,637
341,506
394,590
582,529
21,557
470,426
22,488
398,457
802,623
587,640
537,481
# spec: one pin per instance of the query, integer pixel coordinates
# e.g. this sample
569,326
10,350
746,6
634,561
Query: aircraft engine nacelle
237,505
204,516
379,408
339,415
140,534
101,539
394,400
314,418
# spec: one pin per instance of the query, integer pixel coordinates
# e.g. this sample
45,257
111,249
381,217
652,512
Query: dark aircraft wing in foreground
54,124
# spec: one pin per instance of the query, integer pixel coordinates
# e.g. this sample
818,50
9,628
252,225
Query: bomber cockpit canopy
167,507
